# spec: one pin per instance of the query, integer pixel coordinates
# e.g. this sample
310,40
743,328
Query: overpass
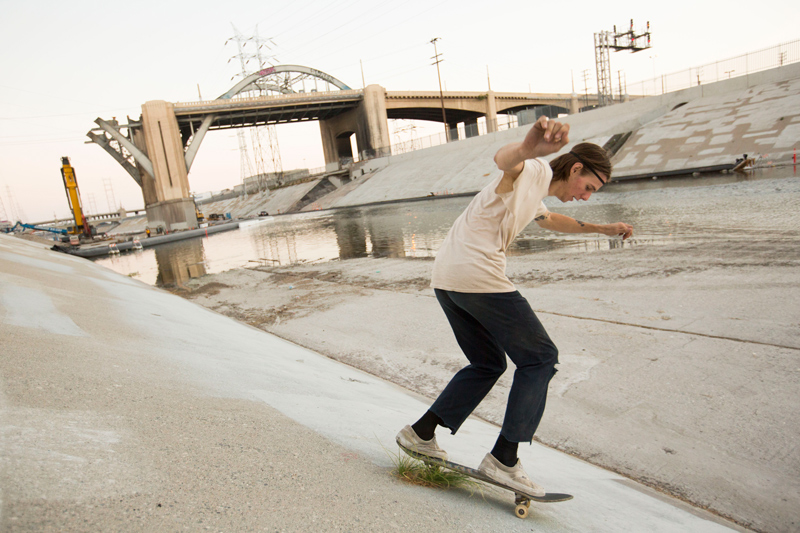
159,148
338,112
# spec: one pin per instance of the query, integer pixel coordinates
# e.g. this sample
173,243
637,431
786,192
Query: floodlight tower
606,40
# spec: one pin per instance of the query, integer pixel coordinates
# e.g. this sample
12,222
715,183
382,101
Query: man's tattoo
540,217
581,224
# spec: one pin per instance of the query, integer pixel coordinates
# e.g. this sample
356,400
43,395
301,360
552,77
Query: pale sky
63,64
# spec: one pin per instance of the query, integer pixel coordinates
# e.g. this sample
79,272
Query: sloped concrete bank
702,128
678,358
125,408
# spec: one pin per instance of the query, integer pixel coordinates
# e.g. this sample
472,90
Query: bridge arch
281,79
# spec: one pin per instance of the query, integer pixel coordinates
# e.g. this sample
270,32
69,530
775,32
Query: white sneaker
514,477
408,439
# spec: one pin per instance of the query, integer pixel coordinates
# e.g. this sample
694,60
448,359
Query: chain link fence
463,131
767,58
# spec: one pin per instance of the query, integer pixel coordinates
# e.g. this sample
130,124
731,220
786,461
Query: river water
765,203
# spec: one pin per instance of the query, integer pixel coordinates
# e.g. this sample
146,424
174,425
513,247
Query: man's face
580,186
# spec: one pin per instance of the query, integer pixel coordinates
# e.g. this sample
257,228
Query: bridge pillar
167,197
471,128
148,181
368,121
452,131
574,106
377,132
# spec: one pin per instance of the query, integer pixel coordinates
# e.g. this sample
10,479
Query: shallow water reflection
700,209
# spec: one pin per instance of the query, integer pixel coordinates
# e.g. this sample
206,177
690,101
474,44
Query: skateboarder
488,316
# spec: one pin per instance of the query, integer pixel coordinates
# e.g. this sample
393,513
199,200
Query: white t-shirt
472,257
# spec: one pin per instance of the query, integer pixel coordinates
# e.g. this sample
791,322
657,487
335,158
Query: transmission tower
604,41
3,214
109,188
91,204
12,205
585,74
253,61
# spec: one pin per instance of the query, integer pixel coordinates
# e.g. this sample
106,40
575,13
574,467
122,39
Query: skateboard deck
522,500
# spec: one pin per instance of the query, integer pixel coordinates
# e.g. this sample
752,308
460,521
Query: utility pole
436,62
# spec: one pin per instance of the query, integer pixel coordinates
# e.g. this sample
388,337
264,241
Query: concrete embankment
125,408
701,128
678,355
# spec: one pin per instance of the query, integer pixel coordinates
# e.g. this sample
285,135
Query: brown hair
592,155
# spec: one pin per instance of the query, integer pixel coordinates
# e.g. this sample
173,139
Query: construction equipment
24,226
74,199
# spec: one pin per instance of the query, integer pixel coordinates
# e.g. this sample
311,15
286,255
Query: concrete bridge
159,148
363,113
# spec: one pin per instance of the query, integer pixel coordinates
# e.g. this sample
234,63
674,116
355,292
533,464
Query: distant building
203,195
273,180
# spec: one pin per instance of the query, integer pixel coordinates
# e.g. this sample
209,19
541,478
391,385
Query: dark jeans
488,326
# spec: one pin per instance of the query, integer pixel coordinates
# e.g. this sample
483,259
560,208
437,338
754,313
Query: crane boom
74,197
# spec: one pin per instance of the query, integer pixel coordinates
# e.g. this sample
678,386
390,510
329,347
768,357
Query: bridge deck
420,105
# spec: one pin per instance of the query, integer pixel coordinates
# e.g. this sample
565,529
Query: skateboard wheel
522,510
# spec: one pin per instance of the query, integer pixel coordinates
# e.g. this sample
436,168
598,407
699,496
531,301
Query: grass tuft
415,471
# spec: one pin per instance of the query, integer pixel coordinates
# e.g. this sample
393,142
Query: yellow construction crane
74,198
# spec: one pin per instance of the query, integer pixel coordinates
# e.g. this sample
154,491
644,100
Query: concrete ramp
685,130
124,407
273,202
762,121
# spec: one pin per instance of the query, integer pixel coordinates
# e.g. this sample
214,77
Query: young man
489,317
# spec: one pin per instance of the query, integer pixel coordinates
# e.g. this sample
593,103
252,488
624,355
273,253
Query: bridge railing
733,67
271,97
503,122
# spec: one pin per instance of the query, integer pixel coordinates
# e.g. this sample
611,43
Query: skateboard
521,500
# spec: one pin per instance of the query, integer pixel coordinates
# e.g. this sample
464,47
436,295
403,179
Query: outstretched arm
565,224
544,138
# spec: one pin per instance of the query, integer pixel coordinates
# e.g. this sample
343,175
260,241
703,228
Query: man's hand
615,230
544,138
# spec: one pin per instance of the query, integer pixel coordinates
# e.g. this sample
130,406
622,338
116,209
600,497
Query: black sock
425,427
505,451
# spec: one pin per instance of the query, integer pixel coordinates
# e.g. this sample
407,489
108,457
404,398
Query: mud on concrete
679,363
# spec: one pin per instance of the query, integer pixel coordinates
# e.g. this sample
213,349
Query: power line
392,70
355,19
379,33
47,141
322,12
117,110
285,5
